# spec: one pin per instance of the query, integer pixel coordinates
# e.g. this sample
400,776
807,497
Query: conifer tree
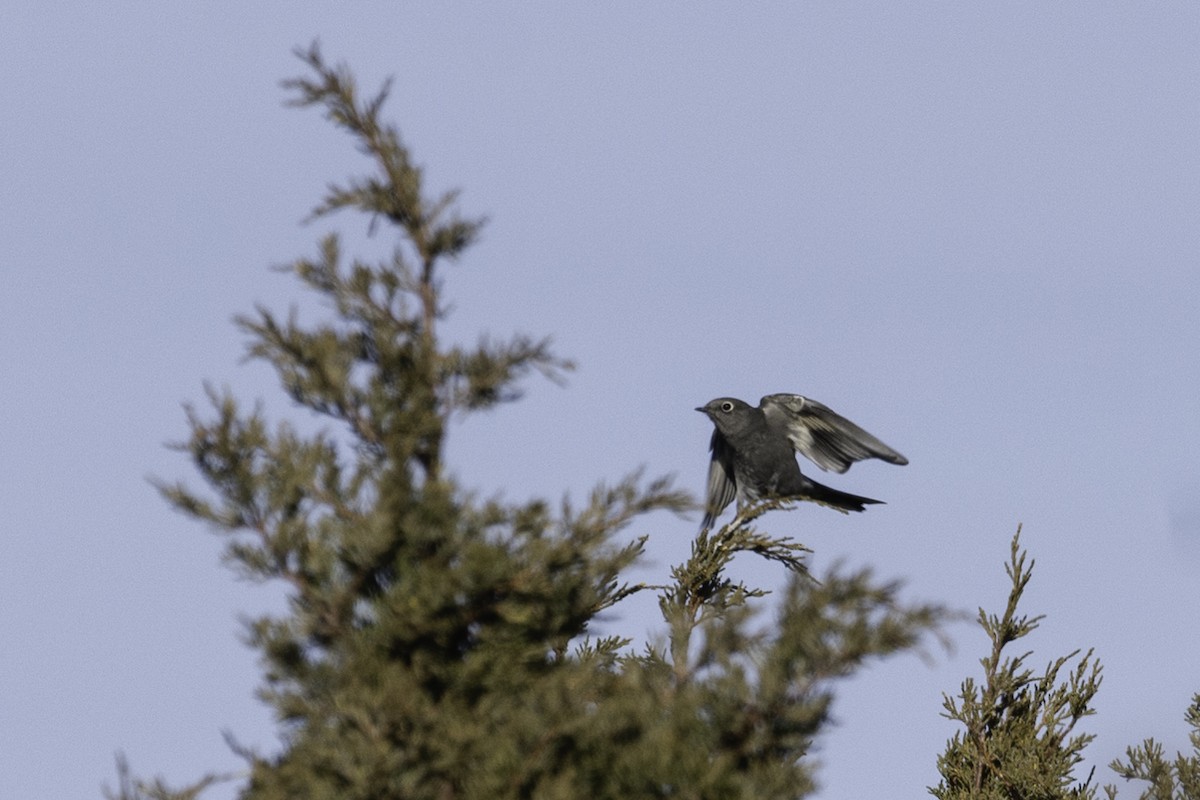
1169,780
1019,741
440,646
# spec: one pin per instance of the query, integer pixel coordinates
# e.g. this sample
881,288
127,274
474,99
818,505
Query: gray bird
754,452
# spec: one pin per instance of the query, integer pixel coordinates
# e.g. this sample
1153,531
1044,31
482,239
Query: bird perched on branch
754,452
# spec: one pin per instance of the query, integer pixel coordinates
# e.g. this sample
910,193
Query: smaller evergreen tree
1019,739
1169,780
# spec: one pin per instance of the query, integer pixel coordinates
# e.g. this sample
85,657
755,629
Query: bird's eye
727,406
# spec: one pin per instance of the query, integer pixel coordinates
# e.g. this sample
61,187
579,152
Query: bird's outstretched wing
721,488
821,435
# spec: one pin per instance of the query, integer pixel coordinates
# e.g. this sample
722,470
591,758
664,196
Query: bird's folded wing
821,435
721,488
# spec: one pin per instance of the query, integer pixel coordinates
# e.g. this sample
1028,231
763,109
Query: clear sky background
970,228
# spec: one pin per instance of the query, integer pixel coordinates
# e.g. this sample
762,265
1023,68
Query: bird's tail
842,501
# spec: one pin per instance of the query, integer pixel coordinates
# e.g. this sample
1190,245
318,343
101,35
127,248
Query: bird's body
754,452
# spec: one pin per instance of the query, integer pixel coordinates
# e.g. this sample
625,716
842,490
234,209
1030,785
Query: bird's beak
701,409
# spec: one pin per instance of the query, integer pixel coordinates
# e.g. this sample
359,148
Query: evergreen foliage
1019,739
1169,780
438,646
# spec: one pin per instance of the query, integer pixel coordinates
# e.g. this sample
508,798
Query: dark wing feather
721,488
821,435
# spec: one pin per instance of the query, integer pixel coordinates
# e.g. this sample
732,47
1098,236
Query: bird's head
728,413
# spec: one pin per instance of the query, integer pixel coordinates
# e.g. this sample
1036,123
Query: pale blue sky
972,229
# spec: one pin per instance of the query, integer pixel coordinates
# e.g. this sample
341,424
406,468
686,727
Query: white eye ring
727,406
